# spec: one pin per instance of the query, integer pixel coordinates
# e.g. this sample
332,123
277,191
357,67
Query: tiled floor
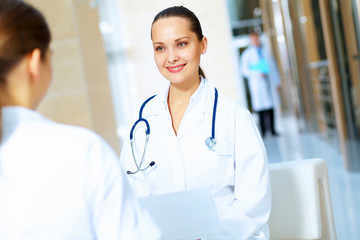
344,186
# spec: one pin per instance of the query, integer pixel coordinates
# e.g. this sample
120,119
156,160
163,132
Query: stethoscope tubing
136,123
211,143
214,115
138,166
141,119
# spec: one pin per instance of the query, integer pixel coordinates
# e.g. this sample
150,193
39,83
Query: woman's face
177,50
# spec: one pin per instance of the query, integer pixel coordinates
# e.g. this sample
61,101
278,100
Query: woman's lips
175,69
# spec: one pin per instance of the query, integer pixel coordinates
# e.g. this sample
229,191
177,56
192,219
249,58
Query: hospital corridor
253,107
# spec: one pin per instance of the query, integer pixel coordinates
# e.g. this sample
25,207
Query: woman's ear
34,64
203,45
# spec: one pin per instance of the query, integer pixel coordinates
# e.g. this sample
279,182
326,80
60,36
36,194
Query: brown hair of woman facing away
22,29
183,12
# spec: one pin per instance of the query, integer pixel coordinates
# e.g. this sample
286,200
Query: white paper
184,215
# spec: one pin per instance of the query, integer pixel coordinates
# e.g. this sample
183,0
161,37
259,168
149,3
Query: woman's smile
177,68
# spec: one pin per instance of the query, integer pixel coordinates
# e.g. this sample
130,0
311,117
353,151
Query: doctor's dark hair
183,12
22,29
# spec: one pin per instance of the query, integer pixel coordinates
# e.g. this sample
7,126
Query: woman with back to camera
56,181
198,137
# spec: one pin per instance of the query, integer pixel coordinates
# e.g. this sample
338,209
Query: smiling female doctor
197,136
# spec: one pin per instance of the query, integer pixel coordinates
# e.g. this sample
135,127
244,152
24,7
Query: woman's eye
159,49
182,44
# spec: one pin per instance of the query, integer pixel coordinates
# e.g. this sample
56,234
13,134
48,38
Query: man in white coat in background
260,69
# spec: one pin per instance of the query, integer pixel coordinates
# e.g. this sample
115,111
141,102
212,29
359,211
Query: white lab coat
236,173
263,90
63,182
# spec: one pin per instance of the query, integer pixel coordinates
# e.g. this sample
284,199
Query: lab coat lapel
156,105
152,109
193,119
201,105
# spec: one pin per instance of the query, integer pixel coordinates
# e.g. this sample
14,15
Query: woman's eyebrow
176,40
179,39
157,43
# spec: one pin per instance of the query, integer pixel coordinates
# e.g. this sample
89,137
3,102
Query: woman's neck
178,101
182,92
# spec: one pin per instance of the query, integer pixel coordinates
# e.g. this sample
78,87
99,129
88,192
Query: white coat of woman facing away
180,117
56,181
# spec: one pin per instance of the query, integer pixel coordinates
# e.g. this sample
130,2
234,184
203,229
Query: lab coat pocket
139,176
222,163
225,149
225,159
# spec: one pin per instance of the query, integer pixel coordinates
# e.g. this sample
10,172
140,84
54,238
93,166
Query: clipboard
184,215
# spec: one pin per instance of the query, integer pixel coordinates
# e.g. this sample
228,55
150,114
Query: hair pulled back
22,29
183,12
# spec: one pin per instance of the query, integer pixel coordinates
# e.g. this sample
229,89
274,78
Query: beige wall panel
59,14
66,101
92,46
101,101
95,69
68,74
79,63
71,108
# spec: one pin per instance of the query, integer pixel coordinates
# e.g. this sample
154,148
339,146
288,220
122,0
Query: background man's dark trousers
266,119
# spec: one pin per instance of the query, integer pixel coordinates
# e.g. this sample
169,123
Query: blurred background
103,69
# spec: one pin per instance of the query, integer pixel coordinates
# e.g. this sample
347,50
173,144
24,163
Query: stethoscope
210,142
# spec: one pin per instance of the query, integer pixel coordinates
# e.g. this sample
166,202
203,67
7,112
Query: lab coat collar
13,116
159,103
17,114
165,93
202,99
201,102
197,97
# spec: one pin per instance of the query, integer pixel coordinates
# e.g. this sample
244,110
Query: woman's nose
173,57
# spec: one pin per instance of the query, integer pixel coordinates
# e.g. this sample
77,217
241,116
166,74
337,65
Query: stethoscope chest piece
211,143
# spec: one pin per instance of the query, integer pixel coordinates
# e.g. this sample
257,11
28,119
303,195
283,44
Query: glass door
345,21
314,74
329,62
